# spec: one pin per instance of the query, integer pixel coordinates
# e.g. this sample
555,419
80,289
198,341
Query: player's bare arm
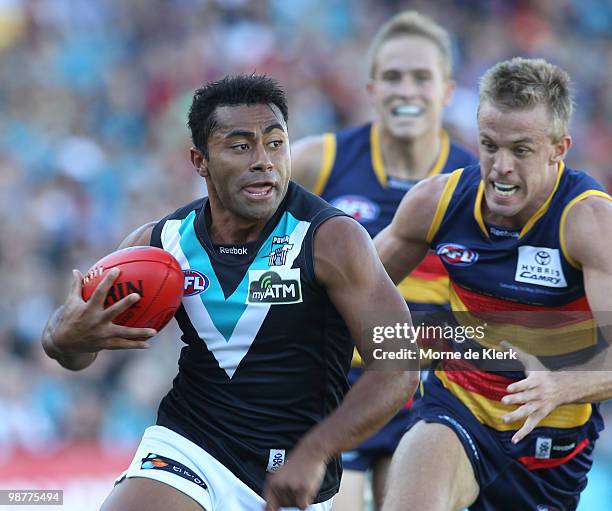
403,244
346,264
588,244
77,330
306,161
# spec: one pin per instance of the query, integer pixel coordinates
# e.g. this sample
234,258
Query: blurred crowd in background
93,143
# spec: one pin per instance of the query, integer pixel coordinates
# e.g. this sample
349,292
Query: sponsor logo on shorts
543,448
564,448
195,282
278,286
276,460
156,462
456,254
360,208
540,266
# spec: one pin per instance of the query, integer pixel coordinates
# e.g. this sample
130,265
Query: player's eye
488,146
240,147
391,76
422,77
522,151
275,143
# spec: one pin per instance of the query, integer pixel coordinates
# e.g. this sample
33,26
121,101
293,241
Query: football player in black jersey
257,412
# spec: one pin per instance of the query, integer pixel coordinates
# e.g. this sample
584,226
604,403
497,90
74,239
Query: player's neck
519,220
410,159
226,228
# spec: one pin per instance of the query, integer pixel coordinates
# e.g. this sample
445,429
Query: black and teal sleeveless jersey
524,287
353,179
267,353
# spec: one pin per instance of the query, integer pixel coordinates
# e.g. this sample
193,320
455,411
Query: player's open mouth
259,190
407,110
505,189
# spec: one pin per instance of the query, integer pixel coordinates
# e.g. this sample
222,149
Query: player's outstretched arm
77,330
357,284
403,244
307,156
588,243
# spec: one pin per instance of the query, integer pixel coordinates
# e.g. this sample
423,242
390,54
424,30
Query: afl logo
195,282
360,208
457,255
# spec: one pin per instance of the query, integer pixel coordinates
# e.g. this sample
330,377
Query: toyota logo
542,258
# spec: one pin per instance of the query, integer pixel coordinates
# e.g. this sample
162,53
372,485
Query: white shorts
195,473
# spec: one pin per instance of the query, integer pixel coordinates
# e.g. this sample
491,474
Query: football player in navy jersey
524,240
257,414
366,170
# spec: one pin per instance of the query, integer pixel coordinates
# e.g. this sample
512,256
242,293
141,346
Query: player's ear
449,89
370,88
199,161
560,148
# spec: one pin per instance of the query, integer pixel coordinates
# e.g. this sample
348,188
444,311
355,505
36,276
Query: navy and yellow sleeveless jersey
524,287
353,179
267,353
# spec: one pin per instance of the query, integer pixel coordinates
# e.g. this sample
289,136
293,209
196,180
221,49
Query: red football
151,272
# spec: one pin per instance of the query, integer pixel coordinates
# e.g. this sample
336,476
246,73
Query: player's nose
407,86
503,162
261,159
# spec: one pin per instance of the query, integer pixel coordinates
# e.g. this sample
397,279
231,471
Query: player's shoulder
340,229
184,211
584,229
426,201
143,235
577,190
577,181
458,182
594,206
305,205
430,190
339,241
179,215
139,237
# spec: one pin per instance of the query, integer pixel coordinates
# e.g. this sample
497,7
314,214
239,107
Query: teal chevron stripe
225,314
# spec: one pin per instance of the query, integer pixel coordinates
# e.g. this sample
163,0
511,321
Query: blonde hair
411,23
521,83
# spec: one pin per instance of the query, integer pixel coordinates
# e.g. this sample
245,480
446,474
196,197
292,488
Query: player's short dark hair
521,83
232,90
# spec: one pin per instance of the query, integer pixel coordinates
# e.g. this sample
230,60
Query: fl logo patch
195,282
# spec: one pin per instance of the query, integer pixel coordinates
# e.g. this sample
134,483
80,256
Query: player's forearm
370,404
590,382
73,361
587,386
399,258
